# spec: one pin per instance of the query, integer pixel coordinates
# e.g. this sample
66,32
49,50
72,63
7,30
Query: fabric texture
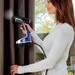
56,46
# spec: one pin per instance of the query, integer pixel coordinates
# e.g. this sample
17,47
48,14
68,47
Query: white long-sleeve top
56,46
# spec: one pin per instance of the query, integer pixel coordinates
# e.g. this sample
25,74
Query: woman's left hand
14,69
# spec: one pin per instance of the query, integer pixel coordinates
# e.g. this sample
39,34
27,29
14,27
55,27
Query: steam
8,14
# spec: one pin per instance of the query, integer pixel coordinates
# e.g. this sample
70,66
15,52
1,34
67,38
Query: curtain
10,53
1,36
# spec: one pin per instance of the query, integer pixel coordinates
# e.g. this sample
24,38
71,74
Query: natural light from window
43,21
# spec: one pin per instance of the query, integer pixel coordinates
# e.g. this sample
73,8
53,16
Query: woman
56,44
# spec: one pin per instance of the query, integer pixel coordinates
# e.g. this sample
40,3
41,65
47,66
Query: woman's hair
65,12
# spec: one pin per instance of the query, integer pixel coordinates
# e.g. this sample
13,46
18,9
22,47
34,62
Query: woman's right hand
28,26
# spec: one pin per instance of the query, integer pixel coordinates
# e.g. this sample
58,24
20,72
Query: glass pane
43,21
74,6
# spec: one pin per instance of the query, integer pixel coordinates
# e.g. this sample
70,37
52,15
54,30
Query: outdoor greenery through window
43,21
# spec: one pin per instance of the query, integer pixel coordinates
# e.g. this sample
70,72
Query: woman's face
50,8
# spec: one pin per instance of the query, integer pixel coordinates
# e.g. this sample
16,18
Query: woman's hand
29,28
14,69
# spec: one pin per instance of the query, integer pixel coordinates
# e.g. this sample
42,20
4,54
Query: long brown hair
65,12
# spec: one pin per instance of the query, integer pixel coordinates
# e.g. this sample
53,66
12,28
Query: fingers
26,24
22,29
29,28
12,72
13,66
14,69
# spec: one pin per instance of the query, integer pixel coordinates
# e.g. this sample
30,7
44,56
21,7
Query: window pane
74,6
43,21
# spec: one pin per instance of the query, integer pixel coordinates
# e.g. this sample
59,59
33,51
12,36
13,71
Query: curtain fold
32,17
1,36
12,47
21,12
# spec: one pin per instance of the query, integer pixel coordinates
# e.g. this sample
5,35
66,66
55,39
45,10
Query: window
74,6
43,21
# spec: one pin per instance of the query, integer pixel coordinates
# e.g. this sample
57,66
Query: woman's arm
60,43
35,38
62,39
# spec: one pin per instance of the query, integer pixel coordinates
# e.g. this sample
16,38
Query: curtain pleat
21,12
6,38
1,37
12,47
32,17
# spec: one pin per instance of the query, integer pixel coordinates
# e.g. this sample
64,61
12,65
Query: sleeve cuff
23,69
32,33
20,69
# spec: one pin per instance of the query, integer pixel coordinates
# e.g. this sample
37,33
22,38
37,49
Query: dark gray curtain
1,36
10,53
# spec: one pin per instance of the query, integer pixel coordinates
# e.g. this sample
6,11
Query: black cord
41,49
43,53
